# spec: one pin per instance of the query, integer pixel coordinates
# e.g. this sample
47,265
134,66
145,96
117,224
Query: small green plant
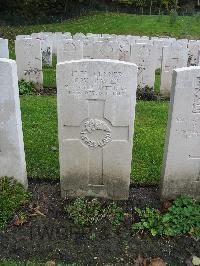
115,214
12,196
92,236
87,212
173,16
84,212
181,218
25,87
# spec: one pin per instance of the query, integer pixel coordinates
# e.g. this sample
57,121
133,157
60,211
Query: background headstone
143,56
29,60
194,47
181,166
174,56
106,50
69,50
12,157
96,109
4,51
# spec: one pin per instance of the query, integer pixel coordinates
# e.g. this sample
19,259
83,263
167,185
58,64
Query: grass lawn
115,23
41,144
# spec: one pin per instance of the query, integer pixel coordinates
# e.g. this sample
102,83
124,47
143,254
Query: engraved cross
104,133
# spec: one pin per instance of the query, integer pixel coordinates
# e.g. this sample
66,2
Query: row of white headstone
148,54
96,109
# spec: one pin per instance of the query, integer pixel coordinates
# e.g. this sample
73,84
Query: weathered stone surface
181,165
20,37
4,52
96,109
79,36
174,56
12,157
198,60
124,49
106,50
159,44
56,37
47,51
29,60
143,56
194,47
69,50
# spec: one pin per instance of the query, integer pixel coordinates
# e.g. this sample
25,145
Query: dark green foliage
25,87
12,196
181,218
87,212
146,94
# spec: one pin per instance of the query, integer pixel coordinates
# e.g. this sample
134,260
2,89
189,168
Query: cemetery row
96,109
149,54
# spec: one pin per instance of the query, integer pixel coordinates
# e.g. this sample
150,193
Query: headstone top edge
182,69
6,60
97,60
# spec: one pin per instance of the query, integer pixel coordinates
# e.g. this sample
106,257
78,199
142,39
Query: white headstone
88,47
46,46
174,56
20,37
29,60
106,50
124,49
194,47
181,166
159,44
96,109
47,51
69,50
143,56
79,36
12,157
198,60
4,51
56,37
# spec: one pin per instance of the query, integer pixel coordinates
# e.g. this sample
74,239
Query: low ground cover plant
86,212
25,87
182,217
12,197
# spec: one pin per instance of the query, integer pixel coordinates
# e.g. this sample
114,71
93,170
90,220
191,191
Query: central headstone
96,109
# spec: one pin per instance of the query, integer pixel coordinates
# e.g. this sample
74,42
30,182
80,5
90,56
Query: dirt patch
45,91
55,237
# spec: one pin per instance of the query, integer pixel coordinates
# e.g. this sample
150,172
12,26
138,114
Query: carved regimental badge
95,133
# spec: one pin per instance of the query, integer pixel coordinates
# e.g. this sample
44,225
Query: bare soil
51,235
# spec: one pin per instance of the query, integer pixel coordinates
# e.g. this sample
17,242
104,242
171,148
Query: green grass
41,144
150,129
49,74
40,135
115,23
12,196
